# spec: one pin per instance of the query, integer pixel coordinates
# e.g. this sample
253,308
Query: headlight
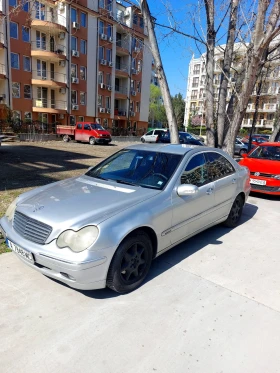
277,177
78,241
11,210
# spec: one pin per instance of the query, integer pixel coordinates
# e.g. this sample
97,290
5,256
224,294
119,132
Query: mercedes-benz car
104,228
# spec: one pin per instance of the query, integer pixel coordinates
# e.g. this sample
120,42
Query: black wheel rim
134,263
236,210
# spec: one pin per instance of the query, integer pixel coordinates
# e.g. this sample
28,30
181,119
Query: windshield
266,152
138,167
96,126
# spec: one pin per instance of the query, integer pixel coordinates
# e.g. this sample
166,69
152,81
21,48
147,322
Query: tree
157,112
179,109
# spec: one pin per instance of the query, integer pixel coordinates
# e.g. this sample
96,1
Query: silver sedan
105,227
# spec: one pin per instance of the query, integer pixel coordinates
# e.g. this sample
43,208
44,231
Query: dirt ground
24,166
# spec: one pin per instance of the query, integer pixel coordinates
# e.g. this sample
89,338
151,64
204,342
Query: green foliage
157,112
179,108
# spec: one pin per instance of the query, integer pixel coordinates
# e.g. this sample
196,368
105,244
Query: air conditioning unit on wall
62,63
62,90
75,80
101,110
75,25
75,107
75,53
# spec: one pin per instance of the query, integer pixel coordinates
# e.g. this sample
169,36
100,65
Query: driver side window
195,172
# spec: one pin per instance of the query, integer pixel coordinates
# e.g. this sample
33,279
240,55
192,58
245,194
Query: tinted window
196,171
79,126
149,133
158,132
87,127
218,166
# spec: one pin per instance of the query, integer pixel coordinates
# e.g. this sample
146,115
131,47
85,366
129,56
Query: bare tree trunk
228,56
174,137
276,128
209,92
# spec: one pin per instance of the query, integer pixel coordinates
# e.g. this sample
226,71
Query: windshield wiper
99,177
124,182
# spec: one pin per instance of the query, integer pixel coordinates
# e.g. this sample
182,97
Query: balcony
50,79
122,47
194,85
48,20
121,69
270,108
120,112
2,71
196,72
50,51
43,105
250,108
120,90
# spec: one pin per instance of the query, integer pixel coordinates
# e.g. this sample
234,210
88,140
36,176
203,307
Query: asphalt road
210,305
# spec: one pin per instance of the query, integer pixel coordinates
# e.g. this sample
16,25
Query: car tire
131,263
242,151
66,138
235,212
143,140
92,141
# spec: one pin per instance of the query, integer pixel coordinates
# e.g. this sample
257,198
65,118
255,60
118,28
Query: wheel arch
150,232
242,194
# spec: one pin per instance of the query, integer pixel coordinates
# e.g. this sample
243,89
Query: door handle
209,191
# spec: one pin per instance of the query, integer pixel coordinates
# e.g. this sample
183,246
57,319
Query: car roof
180,149
269,144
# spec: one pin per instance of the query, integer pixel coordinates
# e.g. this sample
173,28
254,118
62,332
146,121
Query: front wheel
131,263
92,141
66,138
235,213
143,140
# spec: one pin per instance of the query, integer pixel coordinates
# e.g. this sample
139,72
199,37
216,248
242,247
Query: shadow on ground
30,166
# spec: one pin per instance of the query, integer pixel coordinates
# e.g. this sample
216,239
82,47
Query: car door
238,145
224,176
148,135
193,212
79,132
86,133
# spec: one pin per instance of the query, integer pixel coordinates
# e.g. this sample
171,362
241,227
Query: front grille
262,174
31,229
265,188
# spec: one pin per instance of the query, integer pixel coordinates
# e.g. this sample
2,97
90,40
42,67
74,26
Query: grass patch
4,248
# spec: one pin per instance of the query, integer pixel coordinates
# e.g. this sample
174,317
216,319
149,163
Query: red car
264,165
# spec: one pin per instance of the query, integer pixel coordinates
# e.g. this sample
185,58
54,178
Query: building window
26,34
141,22
16,90
26,63
82,98
194,94
132,84
195,82
73,70
83,46
109,55
100,77
73,15
101,27
16,116
101,53
135,19
139,65
196,69
13,3
102,4
25,5
27,91
40,11
100,100
14,30
74,97
73,43
83,19
109,31
133,43
81,119
137,107
83,74
138,85
14,60
108,102
109,5
72,120
131,106
27,116
108,79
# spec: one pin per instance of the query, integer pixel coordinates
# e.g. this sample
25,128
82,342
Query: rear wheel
131,263
66,138
143,140
92,141
235,212
242,151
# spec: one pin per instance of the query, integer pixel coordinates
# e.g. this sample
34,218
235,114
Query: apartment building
195,95
63,62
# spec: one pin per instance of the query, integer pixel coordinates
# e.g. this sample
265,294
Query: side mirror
187,190
244,155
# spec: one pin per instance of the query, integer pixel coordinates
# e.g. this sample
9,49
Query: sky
176,50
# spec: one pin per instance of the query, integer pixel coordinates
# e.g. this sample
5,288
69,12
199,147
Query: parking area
211,304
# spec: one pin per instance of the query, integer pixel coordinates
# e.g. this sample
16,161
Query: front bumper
88,271
100,140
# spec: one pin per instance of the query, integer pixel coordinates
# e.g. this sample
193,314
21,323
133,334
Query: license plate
258,182
20,251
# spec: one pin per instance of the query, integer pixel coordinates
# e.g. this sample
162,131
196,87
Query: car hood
80,201
261,165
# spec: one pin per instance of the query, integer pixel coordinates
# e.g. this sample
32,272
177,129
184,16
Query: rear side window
149,133
158,132
196,171
79,126
218,166
87,127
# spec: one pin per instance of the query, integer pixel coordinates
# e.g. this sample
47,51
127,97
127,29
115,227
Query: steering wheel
161,175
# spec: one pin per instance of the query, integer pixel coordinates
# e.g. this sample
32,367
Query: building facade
63,62
195,95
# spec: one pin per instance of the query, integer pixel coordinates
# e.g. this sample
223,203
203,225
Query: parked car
153,135
264,165
93,133
184,138
240,147
197,137
104,228
256,140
